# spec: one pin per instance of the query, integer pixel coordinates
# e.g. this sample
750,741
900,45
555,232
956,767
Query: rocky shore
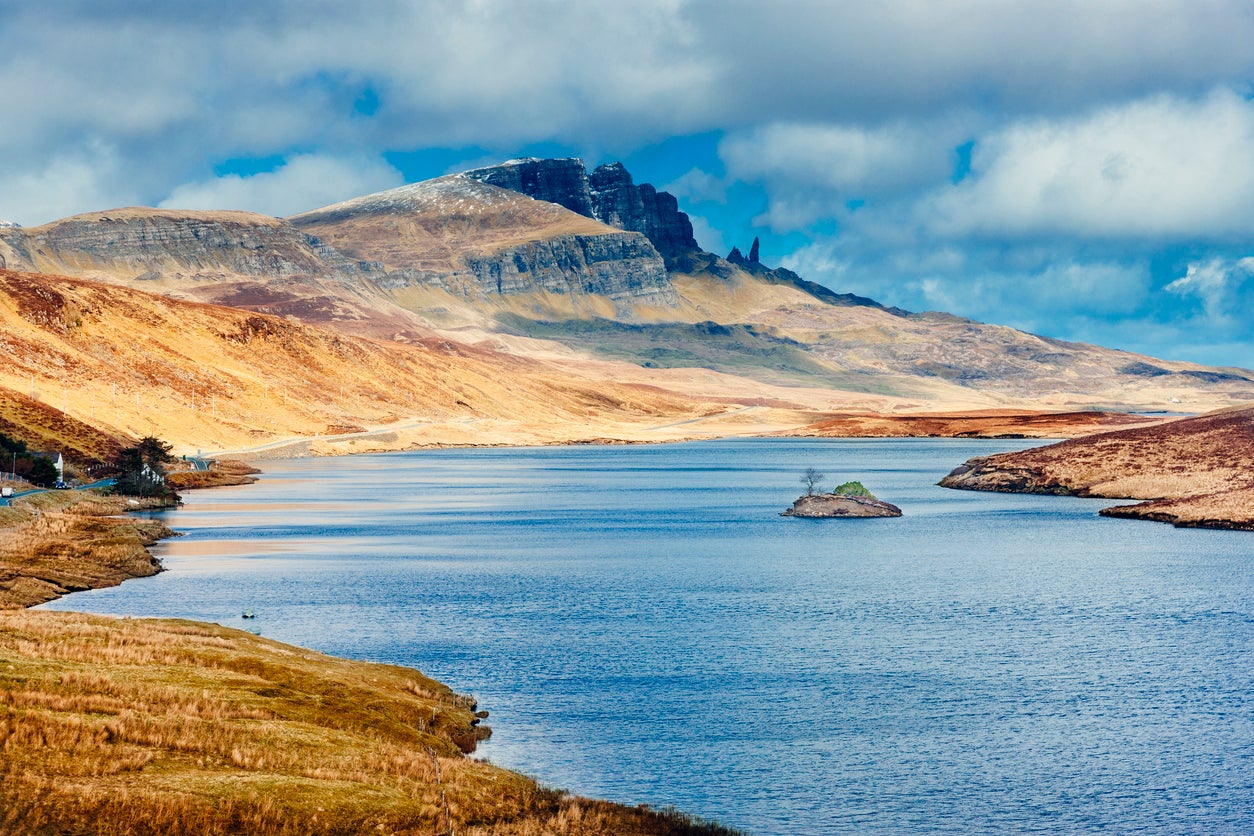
55,543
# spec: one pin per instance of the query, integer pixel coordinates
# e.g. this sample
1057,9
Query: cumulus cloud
300,184
697,186
812,171
75,181
707,236
176,83
1160,167
1225,290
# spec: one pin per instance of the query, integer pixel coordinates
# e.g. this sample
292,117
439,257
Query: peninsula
1191,472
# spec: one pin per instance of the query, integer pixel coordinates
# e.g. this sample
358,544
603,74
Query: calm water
643,626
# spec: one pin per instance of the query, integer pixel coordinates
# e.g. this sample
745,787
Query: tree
141,469
811,479
35,468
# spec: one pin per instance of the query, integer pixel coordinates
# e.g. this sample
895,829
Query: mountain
476,241
607,194
542,259
239,259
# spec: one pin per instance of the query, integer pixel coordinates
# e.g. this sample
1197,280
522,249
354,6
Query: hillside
240,259
482,244
83,355
142,726
1196,471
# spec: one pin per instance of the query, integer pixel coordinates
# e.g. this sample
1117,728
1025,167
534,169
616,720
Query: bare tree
811,480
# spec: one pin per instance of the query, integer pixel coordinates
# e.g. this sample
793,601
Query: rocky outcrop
617,201
984,474
835,506
560,181
1227,510
608,195
623,267
787,278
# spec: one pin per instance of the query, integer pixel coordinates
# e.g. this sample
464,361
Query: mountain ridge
461,258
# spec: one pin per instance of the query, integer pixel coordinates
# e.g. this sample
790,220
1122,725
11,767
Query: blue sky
1083,170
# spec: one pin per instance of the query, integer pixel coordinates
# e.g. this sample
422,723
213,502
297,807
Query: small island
850,500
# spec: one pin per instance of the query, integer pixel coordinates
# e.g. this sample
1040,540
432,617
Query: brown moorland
140,726
988,423
1197,472
204,376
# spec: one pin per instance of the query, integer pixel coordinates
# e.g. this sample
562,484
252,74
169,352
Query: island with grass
850,500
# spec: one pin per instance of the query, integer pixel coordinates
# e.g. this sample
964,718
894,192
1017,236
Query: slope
544,273
132,363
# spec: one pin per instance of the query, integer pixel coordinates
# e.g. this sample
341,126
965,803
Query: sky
1082,170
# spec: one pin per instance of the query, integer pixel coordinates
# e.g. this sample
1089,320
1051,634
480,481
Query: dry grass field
221,474
121,726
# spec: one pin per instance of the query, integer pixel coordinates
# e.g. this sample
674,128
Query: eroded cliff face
608,194
622,267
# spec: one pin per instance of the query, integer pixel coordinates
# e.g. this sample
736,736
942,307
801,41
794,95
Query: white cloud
302,183
76,181
1225,289
178,86
813,171
709,238
842,158
1160,167
697,186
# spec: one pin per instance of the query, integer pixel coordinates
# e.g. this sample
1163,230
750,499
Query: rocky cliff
608,194
622,267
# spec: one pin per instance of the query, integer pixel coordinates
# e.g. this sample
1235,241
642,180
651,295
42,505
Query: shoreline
84,699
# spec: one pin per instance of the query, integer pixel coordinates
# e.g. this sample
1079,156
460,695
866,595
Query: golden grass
215,378
220,474
121,726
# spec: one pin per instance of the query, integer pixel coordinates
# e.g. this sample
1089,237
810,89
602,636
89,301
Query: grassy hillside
121,726
82,355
